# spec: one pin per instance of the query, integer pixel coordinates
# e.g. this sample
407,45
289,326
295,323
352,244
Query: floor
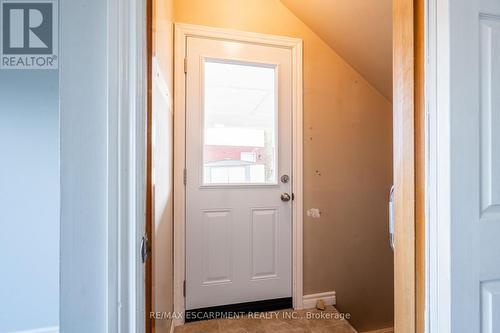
287,321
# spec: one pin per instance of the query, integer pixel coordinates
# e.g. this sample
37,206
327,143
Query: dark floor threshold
232,310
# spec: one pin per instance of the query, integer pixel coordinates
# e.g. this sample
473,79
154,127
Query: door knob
285,197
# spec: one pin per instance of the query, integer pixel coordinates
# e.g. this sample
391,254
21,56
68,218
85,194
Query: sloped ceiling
360,31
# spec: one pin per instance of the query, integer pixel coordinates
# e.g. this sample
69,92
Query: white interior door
468,166
238,156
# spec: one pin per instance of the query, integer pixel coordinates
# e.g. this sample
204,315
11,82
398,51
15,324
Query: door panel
264,243
238,145
490,116
489,132
217,247
474,111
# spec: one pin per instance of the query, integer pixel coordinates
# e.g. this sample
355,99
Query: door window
239,123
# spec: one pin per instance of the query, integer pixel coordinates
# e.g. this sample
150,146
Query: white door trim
127,103
438,210
115,301
182,31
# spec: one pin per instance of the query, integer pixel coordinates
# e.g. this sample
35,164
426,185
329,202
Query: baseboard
309,301
53,329
177,322
382,330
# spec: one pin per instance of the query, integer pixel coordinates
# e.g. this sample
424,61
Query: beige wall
348,167
162,90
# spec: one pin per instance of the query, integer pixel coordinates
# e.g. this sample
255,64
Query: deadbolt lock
285,179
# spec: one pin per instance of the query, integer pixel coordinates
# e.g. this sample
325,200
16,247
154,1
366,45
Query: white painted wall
103,133
84,166
29,199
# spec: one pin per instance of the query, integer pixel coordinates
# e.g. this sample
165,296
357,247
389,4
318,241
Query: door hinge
184,176
184,288
185,65
145,248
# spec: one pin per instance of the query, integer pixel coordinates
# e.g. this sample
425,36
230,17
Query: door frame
438,298
411,171
182,31
112,235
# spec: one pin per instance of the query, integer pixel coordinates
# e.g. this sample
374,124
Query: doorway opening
273,156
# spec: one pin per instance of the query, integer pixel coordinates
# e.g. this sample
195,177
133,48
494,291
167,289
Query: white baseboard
382,330
309,301
53,329
177,322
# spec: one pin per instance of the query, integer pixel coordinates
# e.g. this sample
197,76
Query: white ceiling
360,31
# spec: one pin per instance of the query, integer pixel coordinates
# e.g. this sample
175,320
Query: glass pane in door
240,123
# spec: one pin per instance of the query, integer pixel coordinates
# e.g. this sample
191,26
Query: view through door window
239,123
